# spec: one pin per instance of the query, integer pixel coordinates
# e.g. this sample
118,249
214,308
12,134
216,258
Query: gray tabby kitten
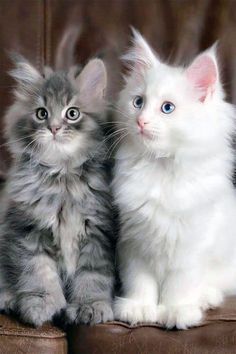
56,242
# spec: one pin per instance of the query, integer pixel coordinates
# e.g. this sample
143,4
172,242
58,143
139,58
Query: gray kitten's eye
72,113
138,102
41,113
167,107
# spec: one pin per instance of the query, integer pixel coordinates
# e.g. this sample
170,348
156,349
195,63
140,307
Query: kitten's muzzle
142,124
55,128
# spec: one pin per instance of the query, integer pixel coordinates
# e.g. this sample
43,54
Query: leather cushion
216,335
18,338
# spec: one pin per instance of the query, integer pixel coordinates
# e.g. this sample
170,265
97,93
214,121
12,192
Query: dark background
177,29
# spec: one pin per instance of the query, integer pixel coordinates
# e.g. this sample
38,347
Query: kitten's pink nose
142,122
54,128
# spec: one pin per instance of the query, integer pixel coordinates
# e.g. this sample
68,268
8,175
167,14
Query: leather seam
13,333
151,325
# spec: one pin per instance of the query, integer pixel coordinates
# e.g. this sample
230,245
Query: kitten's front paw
212,298
5,300
36,310
96,312
181,317
132,311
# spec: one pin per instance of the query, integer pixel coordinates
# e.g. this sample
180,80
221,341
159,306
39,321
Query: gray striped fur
56,247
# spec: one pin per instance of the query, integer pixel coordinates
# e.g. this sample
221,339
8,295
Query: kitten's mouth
57,138
145,134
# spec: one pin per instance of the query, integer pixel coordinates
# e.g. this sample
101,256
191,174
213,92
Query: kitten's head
169,110
56,114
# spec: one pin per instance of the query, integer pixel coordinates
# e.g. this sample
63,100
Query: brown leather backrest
177,29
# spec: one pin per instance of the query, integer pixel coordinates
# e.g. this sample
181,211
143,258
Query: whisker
115,143
14,141
23,152
32,151
117,122
117,132
116,109
28,145
122,113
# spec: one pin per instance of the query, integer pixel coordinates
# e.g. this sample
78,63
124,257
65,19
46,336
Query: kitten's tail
64,58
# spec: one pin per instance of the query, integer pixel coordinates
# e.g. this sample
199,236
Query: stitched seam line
13,333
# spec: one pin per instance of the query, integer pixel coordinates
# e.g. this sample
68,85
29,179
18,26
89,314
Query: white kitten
177,247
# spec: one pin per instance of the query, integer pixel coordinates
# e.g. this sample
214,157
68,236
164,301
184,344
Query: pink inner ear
202,74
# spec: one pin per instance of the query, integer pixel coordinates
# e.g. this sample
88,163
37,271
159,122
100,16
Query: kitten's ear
26,76
203,73
92,81
141,54
24,72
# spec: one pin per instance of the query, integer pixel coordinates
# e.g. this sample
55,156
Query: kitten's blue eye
167,107
41,113
72,113
138,102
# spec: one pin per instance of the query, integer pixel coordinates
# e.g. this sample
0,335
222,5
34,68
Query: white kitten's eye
72,113
138,102
41,113
167,107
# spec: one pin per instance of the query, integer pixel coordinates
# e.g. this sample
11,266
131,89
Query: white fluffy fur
177,247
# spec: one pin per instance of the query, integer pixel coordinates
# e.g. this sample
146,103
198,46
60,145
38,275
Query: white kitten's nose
141,123
55,128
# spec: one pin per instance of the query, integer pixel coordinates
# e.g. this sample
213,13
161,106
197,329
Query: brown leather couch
178,29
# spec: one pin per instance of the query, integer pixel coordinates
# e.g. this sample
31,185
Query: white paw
212,298
181,317
134,311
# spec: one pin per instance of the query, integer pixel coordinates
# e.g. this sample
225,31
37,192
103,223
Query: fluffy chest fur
54,199
167,209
